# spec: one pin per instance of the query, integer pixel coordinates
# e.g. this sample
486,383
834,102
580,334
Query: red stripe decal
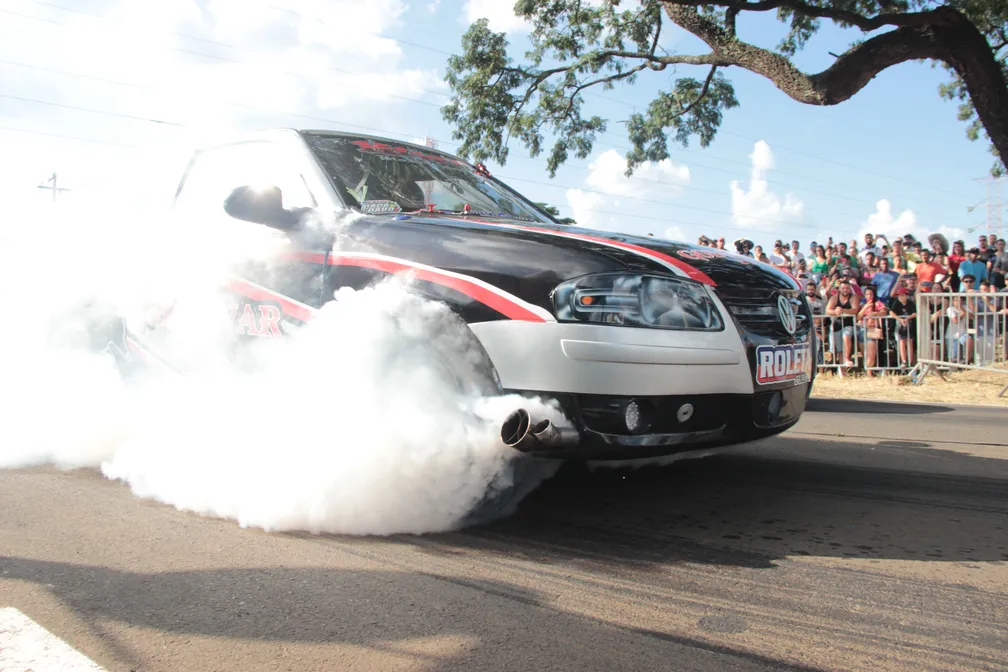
255,292
690,271
511,308
135,347
794,279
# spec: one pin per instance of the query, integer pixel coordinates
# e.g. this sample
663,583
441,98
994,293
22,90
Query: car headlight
638,300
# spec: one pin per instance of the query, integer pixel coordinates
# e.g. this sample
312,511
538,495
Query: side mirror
262,206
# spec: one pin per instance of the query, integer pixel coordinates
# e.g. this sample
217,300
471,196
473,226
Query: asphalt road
872,536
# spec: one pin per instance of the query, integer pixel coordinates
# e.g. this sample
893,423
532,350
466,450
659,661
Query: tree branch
703,92
943,34
542,77
865,23
849,73
731,14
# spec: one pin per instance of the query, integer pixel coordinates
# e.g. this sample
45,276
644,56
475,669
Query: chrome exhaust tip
519,432
549,434
515,431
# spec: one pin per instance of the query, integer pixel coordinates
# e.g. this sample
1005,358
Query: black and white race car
650,347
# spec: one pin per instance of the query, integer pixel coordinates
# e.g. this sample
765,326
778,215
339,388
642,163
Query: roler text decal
780,363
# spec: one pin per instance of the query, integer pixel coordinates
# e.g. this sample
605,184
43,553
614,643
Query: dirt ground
963,387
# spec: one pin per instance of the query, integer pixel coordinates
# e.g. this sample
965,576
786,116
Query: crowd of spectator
865,300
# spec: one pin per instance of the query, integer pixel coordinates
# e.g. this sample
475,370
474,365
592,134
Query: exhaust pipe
549,434
519,433
515,431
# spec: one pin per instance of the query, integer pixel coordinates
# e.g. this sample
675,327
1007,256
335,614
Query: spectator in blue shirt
884,280
973,266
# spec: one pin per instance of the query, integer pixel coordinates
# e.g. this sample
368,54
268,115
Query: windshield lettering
367,172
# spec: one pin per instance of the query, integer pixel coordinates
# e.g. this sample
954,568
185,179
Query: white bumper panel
592,359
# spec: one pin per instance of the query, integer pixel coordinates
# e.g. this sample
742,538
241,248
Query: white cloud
676,233
432,6
584,205
758,207
884,221
650,180
610,202
499,13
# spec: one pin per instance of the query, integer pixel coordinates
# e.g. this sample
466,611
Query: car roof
289,133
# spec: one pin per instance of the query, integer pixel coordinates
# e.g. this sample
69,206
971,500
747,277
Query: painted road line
25,645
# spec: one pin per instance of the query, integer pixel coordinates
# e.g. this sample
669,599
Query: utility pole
994,204
54,188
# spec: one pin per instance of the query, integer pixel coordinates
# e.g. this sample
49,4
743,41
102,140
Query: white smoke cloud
759,208
350,425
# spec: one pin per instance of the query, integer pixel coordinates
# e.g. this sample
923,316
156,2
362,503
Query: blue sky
89,85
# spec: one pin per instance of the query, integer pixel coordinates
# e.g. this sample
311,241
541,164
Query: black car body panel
504,270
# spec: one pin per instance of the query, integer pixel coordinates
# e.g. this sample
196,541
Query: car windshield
378,177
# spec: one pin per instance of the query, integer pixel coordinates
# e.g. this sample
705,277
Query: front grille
756,310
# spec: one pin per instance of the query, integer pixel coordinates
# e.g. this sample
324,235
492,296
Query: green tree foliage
581,44
554,212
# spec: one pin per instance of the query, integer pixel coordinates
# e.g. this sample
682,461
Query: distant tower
994,204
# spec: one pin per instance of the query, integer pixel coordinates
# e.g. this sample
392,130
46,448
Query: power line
665,220
62,136
516,179
295,12
204,40
632,105
329,120
572,164
90,109
666,204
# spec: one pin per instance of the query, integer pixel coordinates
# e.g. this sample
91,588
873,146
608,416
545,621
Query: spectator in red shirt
927,270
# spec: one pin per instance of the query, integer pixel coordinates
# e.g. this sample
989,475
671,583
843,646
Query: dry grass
962,387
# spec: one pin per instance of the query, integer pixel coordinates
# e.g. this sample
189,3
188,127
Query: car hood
578,250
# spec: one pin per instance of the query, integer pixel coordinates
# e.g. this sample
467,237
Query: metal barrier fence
870,344
962,330
943,331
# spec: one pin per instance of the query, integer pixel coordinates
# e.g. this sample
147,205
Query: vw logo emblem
786,311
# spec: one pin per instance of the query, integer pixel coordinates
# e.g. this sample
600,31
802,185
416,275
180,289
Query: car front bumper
621,361
672,424
693,390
